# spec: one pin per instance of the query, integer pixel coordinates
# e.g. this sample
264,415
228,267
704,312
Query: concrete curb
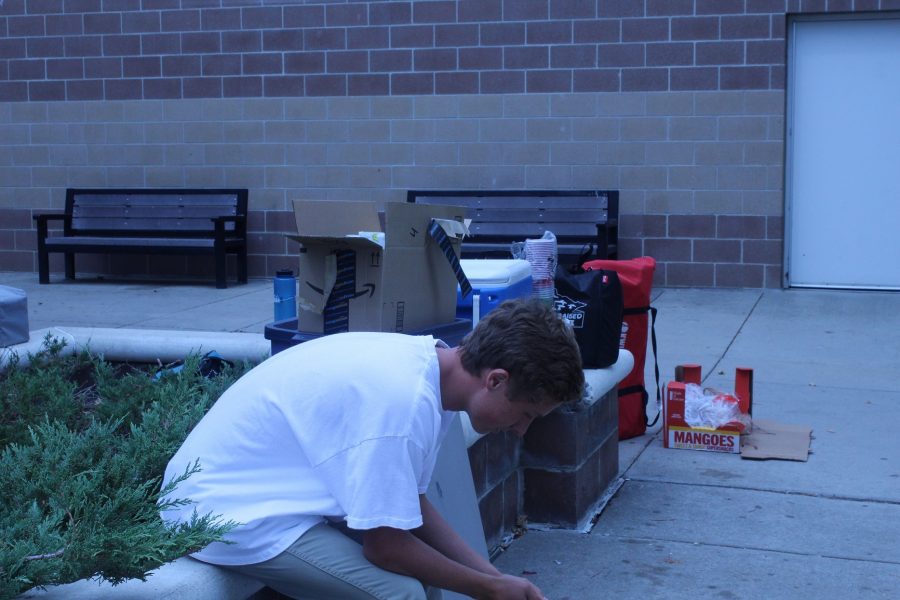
182,578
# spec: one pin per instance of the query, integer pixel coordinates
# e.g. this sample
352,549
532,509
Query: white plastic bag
711,409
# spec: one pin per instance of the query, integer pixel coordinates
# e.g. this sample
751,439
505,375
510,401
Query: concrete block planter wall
568,461
554,476
183,578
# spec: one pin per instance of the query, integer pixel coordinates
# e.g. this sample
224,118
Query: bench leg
70,265
602,242
220,268
242,265
43,266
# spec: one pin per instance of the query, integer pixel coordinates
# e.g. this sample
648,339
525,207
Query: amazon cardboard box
400,279
676,431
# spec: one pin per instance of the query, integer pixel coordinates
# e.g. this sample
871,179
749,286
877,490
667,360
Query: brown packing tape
773,440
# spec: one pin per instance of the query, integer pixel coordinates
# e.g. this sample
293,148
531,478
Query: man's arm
437,533
402,552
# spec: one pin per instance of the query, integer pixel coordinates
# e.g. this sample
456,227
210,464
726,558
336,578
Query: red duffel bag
636,277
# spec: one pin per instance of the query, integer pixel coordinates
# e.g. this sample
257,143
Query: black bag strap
587,253
655,365
652,310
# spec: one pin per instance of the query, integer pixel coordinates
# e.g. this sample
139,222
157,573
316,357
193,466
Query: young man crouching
346,429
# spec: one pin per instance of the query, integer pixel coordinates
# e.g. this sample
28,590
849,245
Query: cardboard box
773,440
676,431
406,284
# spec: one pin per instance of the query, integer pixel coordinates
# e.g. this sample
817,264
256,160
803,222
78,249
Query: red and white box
676,431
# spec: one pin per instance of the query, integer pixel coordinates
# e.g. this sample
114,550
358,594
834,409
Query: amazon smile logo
369,289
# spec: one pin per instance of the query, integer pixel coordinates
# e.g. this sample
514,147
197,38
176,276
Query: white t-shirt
345,426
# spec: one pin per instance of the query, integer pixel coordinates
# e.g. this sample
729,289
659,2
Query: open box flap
407,224
352,242
333,219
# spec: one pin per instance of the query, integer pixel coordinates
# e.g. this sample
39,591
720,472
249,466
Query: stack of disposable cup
541,254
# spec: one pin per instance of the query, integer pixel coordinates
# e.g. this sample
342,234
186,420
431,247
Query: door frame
790,74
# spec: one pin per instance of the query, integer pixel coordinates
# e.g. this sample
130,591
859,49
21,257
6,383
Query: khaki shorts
324,563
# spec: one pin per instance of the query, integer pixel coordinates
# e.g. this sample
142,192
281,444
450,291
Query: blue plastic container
493,281
284,334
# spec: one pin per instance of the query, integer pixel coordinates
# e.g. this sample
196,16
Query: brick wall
677,103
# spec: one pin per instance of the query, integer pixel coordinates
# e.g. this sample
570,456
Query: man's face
492,410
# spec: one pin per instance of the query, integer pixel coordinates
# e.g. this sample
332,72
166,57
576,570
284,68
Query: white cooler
493,281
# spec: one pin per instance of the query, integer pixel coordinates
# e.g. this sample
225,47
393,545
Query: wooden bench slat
549,215
531,230
516,201
193,227
191,212
473,249
129,199
133,241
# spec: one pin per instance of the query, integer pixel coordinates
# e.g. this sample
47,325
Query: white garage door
843,154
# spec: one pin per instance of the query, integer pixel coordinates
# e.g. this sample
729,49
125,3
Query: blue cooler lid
495,272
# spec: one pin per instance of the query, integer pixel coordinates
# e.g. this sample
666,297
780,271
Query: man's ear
497,378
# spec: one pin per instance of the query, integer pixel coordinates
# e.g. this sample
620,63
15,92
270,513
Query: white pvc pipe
143,345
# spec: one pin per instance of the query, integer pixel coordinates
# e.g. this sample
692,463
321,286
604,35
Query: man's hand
508,587
402,552
438,556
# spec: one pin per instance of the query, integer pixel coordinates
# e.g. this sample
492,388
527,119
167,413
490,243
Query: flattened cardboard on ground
773,440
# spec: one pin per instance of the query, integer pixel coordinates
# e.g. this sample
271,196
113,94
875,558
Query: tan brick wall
679,104
699,172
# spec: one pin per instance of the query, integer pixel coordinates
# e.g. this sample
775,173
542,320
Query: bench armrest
42,219
50,217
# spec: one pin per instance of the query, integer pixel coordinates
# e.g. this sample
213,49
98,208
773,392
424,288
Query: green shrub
83,446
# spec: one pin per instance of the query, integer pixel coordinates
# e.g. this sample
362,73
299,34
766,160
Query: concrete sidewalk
684,524
689,524
88,302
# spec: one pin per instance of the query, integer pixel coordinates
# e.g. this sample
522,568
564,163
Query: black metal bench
147,221
585,222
